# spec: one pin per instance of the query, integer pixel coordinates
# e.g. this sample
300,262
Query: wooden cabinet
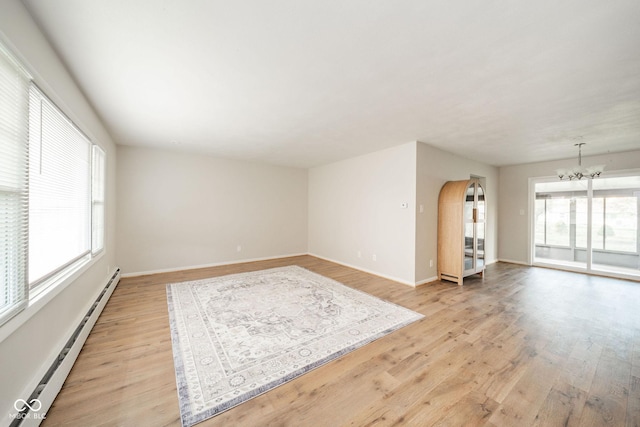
461,230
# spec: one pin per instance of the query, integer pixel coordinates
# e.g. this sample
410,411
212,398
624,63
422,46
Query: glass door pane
597,223
615,225
621,224
468,204
469,259
560,223
540,219
468,246
480,245
480,216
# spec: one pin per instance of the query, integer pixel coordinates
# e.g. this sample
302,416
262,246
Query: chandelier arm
578,172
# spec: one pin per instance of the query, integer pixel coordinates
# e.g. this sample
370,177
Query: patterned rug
236,337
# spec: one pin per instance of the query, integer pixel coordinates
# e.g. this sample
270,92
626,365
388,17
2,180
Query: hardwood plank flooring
521,346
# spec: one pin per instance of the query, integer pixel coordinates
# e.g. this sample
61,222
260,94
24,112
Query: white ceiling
304,83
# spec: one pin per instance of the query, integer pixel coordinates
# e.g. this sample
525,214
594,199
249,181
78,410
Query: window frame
98,198
16,314
14,110
37,94
546,225
604,197
598,267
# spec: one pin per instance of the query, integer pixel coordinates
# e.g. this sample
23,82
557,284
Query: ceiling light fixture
579,172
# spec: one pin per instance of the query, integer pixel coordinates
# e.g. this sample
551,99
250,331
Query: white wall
434,168
26,354
513,229
178,210
355,206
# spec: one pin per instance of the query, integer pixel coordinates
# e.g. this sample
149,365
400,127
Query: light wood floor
523,346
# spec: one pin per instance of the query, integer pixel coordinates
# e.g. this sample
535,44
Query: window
59,190
620,230
589,224
97,200
553,221
52,191
614,223
581,221
14,104
541,221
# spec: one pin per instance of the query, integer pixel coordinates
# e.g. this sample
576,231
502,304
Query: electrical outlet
421,208
359,254
430,263
238,248
373,257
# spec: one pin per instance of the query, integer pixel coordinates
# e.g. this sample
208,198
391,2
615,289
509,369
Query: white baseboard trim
375,273
240,261
215,264
426,281
50,379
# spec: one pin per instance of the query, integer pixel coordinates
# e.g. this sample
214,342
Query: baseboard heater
52,381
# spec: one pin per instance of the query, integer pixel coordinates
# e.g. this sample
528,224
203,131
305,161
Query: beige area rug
238,336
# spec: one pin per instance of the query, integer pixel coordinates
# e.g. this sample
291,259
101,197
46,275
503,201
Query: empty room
319,213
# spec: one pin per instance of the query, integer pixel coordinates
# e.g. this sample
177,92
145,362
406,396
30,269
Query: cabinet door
469,229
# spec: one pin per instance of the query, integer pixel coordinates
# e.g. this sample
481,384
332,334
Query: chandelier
579,172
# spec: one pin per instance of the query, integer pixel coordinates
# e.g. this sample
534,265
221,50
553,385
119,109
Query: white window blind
59,190
97,200
14,114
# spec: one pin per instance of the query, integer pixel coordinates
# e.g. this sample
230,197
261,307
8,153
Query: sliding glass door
615,224
560,223
590,225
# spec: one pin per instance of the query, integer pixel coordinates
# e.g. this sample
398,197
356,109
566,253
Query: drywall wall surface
434,168
514,212
36,339
180,210
362,212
